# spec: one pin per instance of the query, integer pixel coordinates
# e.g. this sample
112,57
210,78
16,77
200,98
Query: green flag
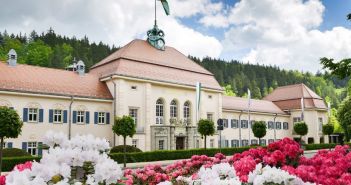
165,6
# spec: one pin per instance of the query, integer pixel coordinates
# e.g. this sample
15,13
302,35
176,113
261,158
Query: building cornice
160,82
52,95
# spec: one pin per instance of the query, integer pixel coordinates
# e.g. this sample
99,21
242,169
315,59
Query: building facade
157,89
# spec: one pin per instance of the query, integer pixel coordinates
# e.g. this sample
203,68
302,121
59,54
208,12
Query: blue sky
291,34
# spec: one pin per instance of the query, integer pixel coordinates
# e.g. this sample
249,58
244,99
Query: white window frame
135,143
80,117
161,144
186,112
101,118
244,124
278,123
285,126
32,148
235,143
33,113
58,116
173,109
159,112
133,113
245,142
211,143
210,116
296,119
270,141
320,124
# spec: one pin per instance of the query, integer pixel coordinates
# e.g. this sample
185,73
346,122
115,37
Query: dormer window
13,57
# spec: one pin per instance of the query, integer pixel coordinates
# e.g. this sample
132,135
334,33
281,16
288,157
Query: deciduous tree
206,128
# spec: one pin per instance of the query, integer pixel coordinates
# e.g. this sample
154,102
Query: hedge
120,149
14,152
161,155
319,146
8,163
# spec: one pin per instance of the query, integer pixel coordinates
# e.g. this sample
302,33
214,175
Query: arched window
173,109
186,112
159,111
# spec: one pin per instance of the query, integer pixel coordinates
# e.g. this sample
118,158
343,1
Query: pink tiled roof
41,80
241,104
139,59
289,97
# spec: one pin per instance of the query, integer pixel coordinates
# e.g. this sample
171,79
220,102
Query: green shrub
14,152
319,146
129,149
162,155
8,163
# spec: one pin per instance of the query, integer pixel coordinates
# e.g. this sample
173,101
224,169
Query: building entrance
180,143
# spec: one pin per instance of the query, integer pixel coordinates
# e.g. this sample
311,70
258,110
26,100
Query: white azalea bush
81,160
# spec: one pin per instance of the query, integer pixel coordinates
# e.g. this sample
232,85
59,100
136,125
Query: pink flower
2,180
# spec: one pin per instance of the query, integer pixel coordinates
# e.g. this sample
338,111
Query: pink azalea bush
19,167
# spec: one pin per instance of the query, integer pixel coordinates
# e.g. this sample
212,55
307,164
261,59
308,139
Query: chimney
12,58
80,67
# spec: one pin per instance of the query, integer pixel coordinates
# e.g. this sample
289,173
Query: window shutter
24,146
9,145
51,115
65,116
41,115
74,116
95,117
87,117
40,148
25,114
107,118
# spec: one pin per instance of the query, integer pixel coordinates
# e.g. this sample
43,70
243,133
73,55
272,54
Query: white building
157,88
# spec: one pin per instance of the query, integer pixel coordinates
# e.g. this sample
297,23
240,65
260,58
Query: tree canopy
344,116
10,127
206,128
259,129
124,126
301,128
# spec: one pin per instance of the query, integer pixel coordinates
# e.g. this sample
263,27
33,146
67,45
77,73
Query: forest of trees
52,50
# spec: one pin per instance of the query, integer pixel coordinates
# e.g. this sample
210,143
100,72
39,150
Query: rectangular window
251,123
278,125
161,144
33,115
32,148
244,124
226,143
4,145
197,144
58,116
80,117
212,143
320,122
263,142
159,112
133,112
254,141
225,123
234,123
135,143
270,125
101,117
245,142
285,125
270,141
235,143
296,119
210,116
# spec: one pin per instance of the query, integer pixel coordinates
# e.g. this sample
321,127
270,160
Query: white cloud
284,33
113,22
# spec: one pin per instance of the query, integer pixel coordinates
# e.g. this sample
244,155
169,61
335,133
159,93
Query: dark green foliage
52,50
349,16
301,128
120,148
328,129
10,162
10,127
206,128
341,69
124,127
344,116
259,129
14,152
319,146
173,154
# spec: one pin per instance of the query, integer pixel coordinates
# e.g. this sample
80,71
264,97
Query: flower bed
279,163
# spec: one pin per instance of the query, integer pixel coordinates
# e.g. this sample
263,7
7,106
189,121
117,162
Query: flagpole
248,111
155,13
302,109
